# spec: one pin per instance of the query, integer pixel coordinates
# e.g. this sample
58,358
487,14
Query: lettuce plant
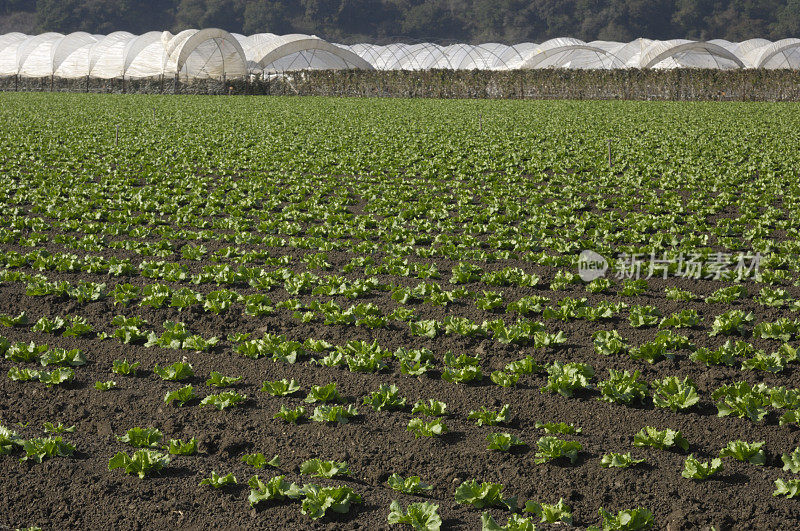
642,316
557,427
608,342
686,318
105,386
742,451
181,396
422,516
624,520
38,449
420,428
9,441
503,441
695,469
414,362
791,461
338,414
218,481
482,495
324,469
565,378
291,416
124,368
550,448
9,321
318,500
515,523
615,460
277,488
526,365
218,380
56,377
433,408
730,323
651,352
675,394
488,417
49,326
141,463
742,400
663,440
789,488
282,387
176,372
224,400
258,460
63,358
727,294
622,387
323,393
178,447
49,427
142,437
387,397
556,513
409,485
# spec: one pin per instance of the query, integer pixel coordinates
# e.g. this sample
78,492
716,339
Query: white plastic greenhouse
217,54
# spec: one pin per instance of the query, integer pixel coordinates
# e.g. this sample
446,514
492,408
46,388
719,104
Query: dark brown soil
80,492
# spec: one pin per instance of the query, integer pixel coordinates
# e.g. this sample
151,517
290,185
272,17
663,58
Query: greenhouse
219,55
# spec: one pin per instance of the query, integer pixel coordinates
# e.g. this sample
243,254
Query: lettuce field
299,313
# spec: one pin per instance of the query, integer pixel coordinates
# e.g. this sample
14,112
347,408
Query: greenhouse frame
216,54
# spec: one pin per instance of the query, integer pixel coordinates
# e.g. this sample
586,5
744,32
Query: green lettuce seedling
789,488
503,441
290,415
178,447
181,396
420,428
276,488
615,460
259,461
218,380
695,469
224,400
433,408
387,397
409,485
281,387
218,481
142,463
324,469
124,368
176,372
675,394
625,520
323,393
554,448
488,417
318,500
142,437
41,448
338,414
551,513
422,516
649,436
482,495
515,523
742,451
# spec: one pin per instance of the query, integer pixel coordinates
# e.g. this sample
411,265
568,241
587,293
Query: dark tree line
437,20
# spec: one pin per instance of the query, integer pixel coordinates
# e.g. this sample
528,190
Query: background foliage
437,20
